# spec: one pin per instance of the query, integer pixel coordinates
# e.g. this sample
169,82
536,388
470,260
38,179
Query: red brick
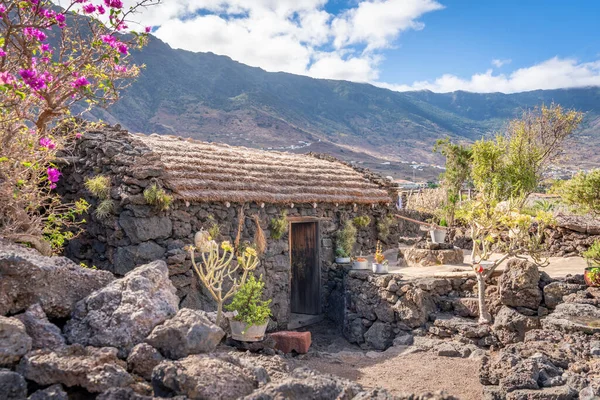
287,341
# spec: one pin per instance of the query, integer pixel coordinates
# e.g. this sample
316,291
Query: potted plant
251,313
360,263
592,271
345,240
341,256
438,233
380,266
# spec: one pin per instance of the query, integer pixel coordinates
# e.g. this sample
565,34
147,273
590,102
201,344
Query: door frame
317,222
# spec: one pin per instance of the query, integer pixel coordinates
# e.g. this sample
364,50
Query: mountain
213,98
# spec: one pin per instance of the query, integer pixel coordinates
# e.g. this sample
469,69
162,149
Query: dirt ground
410,373
397,369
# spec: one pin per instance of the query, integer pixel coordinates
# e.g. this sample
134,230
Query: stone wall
573,235
374,309
136,233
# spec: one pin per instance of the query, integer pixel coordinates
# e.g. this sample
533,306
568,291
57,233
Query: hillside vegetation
214,98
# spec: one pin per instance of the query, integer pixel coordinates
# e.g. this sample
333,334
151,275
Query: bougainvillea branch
55,63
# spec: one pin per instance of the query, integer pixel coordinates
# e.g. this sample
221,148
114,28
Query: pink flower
45,47
113,3
2,53
122,47
148,29
47,143
89,8
78,135
109,40
121,68
53,176
2,9
33,79
31,33
60,18
6,78
80,82
100,9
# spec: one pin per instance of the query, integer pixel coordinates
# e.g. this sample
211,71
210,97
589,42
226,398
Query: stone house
234,188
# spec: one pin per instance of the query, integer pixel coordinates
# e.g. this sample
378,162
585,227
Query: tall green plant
458,171
345,239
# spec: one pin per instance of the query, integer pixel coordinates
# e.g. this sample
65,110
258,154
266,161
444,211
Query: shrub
279,226
54,61
346,238
384,226
214,229
362,221
593,253
99,186
581,192
157,197
248,303
104,208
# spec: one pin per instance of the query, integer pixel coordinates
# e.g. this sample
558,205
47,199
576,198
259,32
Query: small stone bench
288,341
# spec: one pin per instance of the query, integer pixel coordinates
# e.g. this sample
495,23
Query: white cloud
499,63
297,36
554,73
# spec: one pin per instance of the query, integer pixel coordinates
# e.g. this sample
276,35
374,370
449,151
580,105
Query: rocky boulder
574,317
380,336
14,341
44,334
56,283
511,326
123,313
142,359
207,376
12,385
54,392
414,307
519,285
555,291
304,383
94,369
188,332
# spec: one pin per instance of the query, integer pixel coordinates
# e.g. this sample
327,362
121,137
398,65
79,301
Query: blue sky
440,45
465,36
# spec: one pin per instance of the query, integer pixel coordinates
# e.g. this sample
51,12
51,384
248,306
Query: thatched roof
199,171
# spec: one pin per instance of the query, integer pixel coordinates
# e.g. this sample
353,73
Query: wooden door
306,274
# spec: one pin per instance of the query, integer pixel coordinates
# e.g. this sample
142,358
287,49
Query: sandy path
408,373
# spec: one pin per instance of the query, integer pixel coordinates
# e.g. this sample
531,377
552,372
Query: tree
502,228
54,63
458,171
511,166
582,191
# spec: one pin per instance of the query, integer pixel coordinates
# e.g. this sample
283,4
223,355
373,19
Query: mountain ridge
215,98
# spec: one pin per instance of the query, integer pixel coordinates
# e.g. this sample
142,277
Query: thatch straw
197,171
259,238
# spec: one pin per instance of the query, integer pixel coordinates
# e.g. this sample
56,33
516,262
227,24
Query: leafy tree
458,171
53,62
511,165
500,227
582,191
